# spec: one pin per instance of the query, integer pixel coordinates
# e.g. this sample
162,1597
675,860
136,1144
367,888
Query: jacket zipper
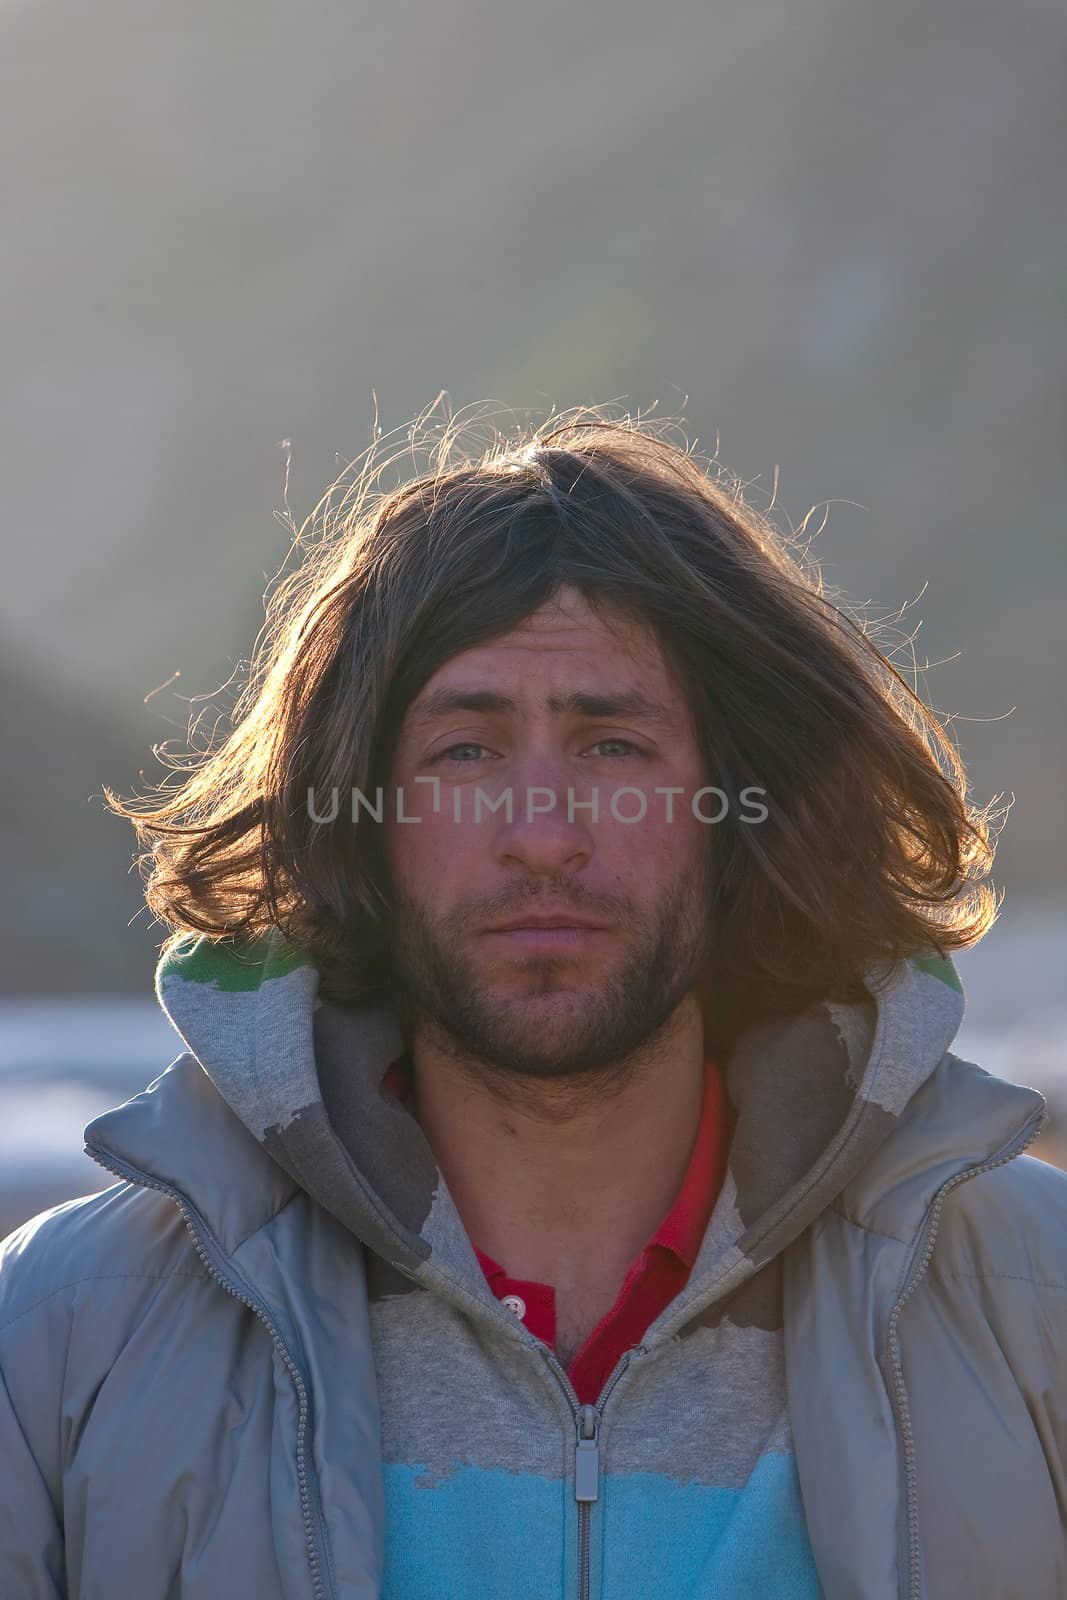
587,1420
1030,1129
322,1587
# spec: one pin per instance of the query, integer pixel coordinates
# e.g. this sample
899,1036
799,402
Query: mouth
546,918
549,936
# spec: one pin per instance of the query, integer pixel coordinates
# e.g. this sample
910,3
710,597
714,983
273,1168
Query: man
568,1188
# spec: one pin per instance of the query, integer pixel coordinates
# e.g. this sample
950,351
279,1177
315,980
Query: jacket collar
858,1105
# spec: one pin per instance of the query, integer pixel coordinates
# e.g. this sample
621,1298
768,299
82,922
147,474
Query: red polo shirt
659,1273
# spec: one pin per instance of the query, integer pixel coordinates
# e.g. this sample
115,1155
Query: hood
283,1091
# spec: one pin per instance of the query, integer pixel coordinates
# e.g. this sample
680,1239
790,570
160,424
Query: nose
541,838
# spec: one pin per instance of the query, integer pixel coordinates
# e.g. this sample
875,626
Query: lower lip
548,938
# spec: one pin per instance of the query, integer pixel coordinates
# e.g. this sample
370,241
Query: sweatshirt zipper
206,1248
587,1420
1027,1135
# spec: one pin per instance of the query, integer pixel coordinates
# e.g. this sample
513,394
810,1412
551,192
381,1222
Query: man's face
544,1004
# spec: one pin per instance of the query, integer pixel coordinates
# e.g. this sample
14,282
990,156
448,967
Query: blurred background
829,235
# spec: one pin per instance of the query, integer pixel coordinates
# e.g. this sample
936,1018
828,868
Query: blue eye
446,754
629,746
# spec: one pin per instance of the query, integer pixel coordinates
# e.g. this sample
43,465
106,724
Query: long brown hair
870,851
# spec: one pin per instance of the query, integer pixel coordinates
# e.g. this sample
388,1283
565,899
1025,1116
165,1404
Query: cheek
653,853
429,856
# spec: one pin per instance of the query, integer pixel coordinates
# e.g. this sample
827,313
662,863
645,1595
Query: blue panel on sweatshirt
662,1539
477,1534
480,1534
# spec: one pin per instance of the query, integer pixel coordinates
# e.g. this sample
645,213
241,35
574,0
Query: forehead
569,626
567,657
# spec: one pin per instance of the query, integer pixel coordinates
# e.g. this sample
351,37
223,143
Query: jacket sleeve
984,1362
33,1340
31,1535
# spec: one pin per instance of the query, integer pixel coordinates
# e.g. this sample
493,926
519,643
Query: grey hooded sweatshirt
265,1362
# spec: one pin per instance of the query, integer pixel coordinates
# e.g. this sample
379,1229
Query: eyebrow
579,703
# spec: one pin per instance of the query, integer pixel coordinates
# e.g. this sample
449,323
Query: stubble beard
553,1025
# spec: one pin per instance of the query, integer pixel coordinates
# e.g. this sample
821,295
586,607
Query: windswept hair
870,852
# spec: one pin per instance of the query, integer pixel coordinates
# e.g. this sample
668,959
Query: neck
559,1179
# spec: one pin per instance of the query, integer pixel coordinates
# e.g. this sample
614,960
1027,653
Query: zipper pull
587,1456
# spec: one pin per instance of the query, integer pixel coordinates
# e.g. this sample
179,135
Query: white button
514,1302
